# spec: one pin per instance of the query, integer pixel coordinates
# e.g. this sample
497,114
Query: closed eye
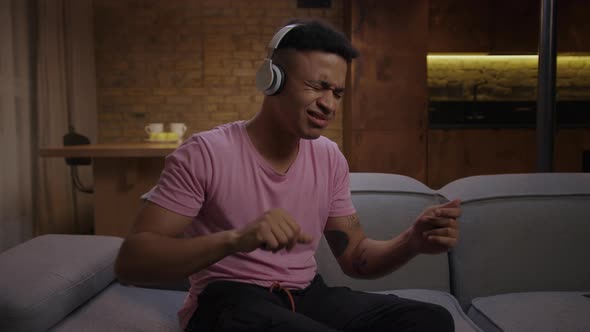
323,85
339,92
316,85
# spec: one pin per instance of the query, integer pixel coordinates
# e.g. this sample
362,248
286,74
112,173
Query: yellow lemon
161,136
172,136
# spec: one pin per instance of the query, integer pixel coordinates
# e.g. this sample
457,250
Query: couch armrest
46,278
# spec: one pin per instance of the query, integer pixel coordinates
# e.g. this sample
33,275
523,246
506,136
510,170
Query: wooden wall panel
381,108
380,154
570,144
385,111
453,154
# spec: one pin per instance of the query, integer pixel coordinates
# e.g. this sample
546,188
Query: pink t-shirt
221,180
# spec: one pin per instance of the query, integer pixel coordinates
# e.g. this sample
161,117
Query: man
255,197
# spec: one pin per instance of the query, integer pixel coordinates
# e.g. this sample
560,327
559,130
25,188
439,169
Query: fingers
439,222
281,236
274,237
266,237
304,238
290,235
453,203
450,209
278,230
437,228
293,231
448,212
442,232
448,242
445,235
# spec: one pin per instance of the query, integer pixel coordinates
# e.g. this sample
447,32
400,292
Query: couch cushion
521,233
387,204
122,308
535,311
462,322
46,278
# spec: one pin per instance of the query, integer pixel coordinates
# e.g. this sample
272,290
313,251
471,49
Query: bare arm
434,231
153,252
361,257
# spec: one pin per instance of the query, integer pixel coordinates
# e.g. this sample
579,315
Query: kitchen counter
122,172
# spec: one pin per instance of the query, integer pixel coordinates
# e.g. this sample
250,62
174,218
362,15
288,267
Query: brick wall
504,78
191,61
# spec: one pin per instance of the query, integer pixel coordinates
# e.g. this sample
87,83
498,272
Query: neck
269,137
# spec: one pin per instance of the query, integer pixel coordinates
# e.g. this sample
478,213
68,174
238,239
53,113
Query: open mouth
318,119
317,115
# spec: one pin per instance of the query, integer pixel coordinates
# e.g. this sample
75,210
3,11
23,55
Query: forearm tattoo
338,241
359,263
353,221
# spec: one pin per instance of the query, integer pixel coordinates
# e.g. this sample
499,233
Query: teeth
317,115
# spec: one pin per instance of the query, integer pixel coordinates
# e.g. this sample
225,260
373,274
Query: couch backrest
387,204
521,232
47,277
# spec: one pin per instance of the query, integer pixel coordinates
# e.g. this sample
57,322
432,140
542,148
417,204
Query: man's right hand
272,231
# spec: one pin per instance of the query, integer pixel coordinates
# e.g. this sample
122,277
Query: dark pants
233,306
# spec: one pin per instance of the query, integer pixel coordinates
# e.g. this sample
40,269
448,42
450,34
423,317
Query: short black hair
316,35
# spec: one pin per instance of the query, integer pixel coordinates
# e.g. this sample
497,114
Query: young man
255,197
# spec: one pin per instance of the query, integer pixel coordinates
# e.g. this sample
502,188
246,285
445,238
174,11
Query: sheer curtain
47,81
16,122
66,93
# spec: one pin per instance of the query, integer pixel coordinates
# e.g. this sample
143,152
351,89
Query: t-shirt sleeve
183,182
341,203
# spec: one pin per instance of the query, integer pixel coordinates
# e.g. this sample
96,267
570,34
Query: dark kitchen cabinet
504,26
515,27
459,26
573,25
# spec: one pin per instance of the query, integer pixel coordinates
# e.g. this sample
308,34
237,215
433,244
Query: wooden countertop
112,150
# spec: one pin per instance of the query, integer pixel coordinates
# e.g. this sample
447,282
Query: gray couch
522,263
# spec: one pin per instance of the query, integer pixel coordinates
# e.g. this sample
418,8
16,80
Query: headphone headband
276,40
270,78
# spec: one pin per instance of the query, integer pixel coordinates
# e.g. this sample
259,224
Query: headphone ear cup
278,81
264,76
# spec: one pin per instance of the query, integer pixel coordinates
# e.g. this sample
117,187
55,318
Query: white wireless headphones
270,78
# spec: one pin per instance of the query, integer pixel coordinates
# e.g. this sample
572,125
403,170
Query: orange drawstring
277,284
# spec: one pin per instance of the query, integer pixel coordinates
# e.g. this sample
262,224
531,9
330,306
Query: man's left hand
436,230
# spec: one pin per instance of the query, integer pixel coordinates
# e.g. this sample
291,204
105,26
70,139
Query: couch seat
462,322
122,308
534,311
